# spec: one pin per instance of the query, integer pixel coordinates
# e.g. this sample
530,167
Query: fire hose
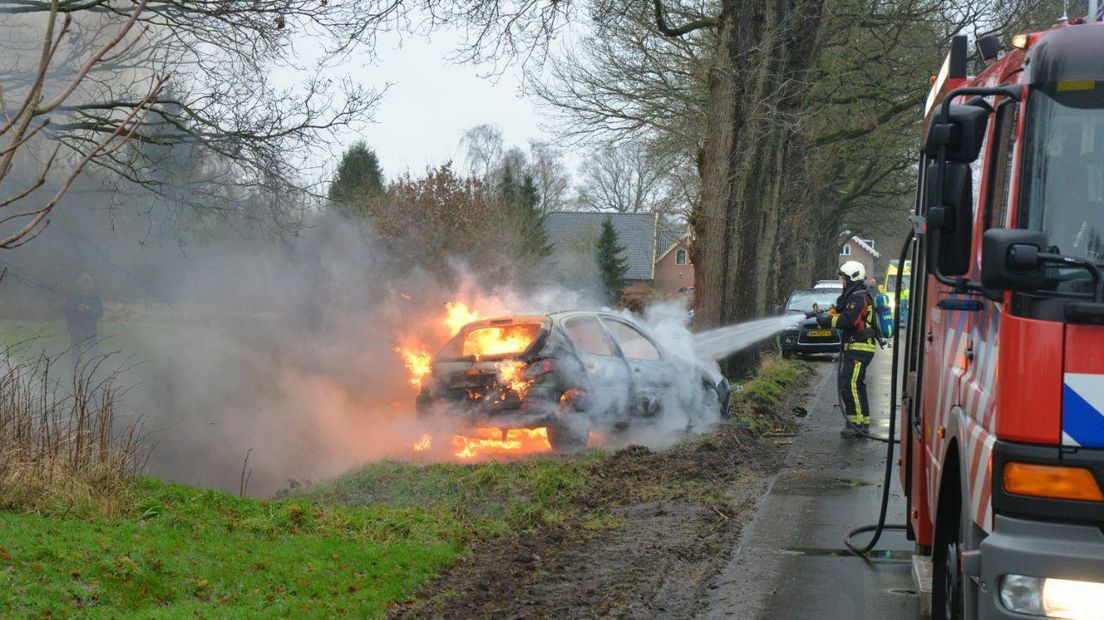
881,526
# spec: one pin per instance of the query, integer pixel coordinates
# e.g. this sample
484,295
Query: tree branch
668,31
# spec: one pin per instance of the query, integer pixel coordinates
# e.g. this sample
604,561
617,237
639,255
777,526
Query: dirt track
673,518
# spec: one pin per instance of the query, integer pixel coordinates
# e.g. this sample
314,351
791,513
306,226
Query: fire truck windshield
1063,183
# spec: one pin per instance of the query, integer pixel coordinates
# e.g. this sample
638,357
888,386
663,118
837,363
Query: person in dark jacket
852,316
83,311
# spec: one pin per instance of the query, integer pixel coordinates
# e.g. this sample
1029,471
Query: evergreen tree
521,205
611,264
359,180
530,219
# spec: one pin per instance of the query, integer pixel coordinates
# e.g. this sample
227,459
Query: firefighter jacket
852,316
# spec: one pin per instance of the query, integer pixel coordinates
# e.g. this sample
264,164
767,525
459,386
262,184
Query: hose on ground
881,526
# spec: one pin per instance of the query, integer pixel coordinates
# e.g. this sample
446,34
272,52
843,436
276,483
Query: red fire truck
1001,367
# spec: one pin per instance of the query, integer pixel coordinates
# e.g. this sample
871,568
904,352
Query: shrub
61,449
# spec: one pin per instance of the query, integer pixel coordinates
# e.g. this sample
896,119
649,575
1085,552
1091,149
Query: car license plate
819,333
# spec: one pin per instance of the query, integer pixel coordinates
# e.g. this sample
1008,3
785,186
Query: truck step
922,577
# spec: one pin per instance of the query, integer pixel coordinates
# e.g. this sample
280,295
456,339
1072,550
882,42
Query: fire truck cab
1001,416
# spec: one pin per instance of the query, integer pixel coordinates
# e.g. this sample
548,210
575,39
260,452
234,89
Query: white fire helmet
853,270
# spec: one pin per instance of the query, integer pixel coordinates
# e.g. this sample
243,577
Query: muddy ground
673,519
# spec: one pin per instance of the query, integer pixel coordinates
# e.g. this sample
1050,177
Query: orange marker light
1051,481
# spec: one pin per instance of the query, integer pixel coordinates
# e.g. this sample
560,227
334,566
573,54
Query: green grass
489,498
757,400
30,339
344,550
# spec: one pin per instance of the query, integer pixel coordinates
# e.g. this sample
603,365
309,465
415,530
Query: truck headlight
1053,598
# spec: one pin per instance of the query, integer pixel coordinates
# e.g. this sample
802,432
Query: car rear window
633,344
587,335
492,341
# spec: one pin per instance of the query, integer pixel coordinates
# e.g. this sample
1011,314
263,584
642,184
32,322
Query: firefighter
83,311
852,316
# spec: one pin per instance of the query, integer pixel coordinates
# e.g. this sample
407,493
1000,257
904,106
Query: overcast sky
431,101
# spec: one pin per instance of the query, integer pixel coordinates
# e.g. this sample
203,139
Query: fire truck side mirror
962,133
988,46
950,215
1010,259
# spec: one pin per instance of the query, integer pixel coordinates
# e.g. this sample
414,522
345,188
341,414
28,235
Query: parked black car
806,337
568,372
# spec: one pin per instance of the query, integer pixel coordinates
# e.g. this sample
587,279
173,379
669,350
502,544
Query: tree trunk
756,83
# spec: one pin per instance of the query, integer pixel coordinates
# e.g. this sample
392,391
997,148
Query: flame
494,441
458,315
569,396
417,361
498,340
492,340
510,373
424,443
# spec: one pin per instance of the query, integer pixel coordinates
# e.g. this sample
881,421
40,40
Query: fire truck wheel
953,527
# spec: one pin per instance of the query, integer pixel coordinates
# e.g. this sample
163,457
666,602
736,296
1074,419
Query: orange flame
424,443
510,373
458,315
498,340
493,441
417,362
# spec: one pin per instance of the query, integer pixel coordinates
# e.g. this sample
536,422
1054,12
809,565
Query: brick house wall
670,276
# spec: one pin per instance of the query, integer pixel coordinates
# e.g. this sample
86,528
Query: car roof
563,315
506,319
813,289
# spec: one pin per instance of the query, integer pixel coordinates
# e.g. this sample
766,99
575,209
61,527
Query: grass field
133,342
345,550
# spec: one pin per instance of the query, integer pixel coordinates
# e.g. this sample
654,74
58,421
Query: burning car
567,372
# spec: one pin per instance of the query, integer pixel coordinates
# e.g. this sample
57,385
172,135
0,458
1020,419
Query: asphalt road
791,561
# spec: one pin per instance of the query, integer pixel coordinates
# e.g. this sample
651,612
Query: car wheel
711,405
570,430
568,436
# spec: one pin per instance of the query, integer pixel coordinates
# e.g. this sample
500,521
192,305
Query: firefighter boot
851,428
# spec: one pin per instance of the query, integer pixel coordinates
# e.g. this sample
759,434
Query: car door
606,381
653,377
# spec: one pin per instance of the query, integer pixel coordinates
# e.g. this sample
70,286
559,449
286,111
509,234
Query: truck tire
954,595
946,572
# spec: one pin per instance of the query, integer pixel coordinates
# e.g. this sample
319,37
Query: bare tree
101,80
482,146
549,173
628,179
30,114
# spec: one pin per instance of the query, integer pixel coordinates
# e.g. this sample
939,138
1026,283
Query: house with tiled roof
861,250
649,245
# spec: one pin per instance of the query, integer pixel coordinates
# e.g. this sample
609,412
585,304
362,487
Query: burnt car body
568,372
805,337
